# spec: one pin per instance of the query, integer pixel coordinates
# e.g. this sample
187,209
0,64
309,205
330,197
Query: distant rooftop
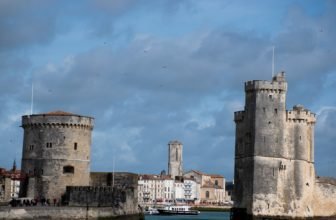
211,175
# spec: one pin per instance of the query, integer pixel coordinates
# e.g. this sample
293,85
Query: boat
151,211
177,210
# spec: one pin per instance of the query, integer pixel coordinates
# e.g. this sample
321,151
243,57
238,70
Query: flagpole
32,98
273,63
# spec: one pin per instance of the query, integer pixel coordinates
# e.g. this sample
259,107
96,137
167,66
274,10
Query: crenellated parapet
57,120
277,85
57,125
239,116
90,188
300,115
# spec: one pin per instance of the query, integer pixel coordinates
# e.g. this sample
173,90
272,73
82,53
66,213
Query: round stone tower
56,153
175,161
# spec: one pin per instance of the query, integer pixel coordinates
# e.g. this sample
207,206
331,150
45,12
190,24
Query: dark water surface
201,216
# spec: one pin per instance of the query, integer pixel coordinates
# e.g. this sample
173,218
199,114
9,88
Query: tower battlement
277,85
300,115
57,120
239,116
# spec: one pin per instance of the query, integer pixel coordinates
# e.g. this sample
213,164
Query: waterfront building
178,190
10,183
162,189
5,186
211,187
191,190
153,189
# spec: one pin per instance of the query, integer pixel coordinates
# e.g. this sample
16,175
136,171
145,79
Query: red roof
59,113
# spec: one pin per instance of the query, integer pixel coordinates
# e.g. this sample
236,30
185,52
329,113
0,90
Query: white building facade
162,189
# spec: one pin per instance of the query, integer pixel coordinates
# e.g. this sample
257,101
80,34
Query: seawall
66,212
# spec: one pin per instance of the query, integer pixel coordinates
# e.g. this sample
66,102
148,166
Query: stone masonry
175,159
274,156
56,153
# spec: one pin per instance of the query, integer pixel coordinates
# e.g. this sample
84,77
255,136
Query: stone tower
175,161
274,164
56,153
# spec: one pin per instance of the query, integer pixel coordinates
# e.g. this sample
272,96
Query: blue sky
151,71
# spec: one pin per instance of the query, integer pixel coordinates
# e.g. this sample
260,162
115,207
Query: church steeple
14,165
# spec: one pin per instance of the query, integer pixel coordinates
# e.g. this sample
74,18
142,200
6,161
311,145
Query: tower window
68,169
264,109
75,146
216,182
276,111
31,147
49,145
207,194
176,154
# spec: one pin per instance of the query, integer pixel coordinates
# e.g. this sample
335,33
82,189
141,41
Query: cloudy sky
151,71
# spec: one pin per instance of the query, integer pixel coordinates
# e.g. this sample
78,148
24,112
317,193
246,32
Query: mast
32,98
273,63
113,171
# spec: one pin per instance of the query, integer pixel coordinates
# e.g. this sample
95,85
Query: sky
152,71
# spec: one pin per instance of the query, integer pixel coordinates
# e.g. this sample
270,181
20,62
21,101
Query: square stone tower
274,164
175,159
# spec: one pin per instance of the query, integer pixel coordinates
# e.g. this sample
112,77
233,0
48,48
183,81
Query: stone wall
324,202
5,191
44,212
119,179
101,196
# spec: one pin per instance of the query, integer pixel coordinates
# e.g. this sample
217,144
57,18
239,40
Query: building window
31,147
68,169
49,145
75,145
276,111
176,154
216,182
207,194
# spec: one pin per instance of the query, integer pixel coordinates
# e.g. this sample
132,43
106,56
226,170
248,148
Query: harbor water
201,216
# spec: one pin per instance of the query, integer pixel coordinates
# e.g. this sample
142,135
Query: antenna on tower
113,169
273,63
32,97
